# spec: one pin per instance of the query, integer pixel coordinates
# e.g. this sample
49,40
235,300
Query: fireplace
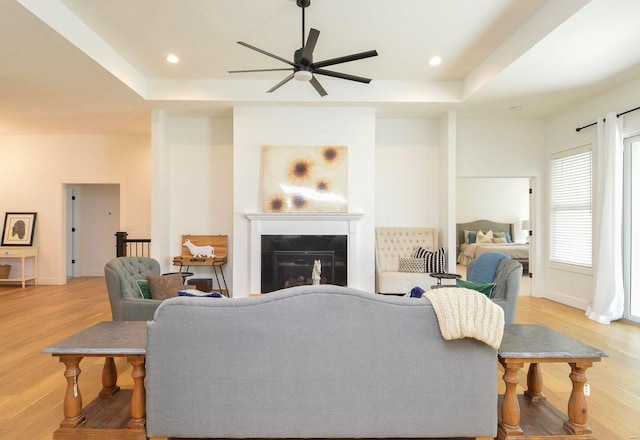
301,225
287,260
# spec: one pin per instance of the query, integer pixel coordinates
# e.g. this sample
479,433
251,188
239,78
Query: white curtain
608,288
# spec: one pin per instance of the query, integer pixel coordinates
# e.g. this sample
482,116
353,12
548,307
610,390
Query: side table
529,415
115,413
443,276
22,253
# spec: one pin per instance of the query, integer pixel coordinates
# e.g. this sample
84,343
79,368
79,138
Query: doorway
93,218
505,200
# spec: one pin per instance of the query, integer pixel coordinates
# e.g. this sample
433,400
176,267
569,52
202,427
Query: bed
468,250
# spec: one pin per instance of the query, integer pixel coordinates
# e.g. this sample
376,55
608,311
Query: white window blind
570,238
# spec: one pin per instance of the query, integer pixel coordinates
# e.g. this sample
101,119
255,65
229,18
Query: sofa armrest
139,309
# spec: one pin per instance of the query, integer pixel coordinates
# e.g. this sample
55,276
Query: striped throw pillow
436,262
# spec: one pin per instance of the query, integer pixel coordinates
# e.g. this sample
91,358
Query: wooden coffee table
115,413
530,415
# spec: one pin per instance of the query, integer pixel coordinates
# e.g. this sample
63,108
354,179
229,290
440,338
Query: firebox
287,260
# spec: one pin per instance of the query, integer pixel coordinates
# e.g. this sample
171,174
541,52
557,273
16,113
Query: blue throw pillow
472,236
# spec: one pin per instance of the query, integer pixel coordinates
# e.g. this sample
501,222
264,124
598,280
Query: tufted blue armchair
507,291
121,275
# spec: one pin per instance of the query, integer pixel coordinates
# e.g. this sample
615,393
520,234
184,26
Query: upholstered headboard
483,225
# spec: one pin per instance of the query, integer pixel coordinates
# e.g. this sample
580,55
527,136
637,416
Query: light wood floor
33,385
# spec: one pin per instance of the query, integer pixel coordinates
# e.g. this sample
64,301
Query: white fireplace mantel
316,223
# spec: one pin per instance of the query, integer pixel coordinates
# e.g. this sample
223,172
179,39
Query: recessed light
435,61
173,59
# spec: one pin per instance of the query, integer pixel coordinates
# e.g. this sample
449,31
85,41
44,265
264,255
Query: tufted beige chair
393,243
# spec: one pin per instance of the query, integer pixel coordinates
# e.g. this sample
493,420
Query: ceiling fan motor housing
297,58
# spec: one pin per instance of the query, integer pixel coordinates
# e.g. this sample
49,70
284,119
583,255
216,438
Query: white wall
35,168
210,173
258,126
201,185
500,147
563,283
407,172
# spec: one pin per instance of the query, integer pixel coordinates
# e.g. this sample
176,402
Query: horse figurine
315,274
199,251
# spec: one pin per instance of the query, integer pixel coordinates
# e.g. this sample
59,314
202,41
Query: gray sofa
314,362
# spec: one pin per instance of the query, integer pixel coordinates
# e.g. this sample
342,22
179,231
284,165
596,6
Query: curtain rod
617,116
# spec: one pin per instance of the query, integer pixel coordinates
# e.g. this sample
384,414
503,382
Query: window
570,233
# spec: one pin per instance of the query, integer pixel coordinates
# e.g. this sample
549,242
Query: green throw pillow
143,287
484,288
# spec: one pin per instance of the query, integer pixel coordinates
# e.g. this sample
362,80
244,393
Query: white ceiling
96,66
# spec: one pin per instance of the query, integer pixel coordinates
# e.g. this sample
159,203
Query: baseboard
565,299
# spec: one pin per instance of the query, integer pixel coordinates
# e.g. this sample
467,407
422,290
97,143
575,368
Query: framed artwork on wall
18,228
304,179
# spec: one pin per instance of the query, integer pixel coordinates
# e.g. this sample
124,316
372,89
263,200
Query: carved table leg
138,398
534,383
109,378
72,405
577,410
510,424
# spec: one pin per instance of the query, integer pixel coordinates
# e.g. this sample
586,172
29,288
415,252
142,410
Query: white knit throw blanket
465,313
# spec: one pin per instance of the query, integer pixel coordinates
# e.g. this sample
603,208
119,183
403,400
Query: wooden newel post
72,405
138,398
109,378
534,383
510,424
577,409
121,244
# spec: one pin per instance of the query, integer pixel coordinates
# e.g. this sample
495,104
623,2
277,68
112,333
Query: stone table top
529,341
121,338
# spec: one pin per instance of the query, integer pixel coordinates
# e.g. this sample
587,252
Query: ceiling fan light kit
303,67
303,75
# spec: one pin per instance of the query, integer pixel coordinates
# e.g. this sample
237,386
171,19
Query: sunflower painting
304,179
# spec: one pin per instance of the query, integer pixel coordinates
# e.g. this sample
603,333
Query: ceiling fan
304,69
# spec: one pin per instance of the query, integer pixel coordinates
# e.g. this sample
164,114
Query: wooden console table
22,253
107,416
530,415
220,244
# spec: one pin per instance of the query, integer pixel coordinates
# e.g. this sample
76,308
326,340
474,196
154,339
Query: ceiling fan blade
258,70
345,59
342,75
316,85
257,49
281,83
312,39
